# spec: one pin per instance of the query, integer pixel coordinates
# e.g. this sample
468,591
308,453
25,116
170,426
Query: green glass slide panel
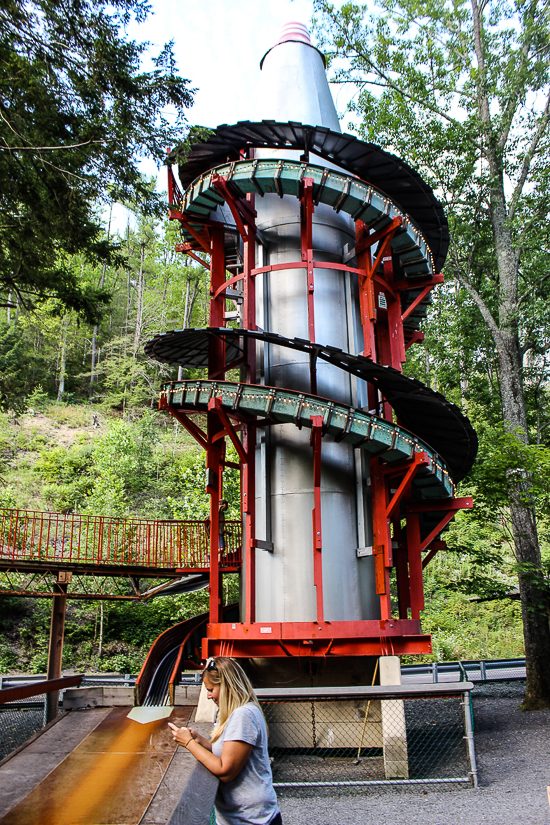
370,433
276,176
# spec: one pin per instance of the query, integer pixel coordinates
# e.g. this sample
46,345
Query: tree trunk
94,342
139,310
100,648
534,613
536,628
62,359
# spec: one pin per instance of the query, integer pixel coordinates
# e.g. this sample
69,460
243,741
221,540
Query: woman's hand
182,735
202,740
234,756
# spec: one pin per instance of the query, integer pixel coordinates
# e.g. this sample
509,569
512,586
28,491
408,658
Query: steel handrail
71,538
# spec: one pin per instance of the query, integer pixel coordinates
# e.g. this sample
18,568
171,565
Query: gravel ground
513,756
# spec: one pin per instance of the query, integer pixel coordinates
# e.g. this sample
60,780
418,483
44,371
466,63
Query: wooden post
55,652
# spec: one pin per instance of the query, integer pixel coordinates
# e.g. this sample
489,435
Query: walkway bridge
94,557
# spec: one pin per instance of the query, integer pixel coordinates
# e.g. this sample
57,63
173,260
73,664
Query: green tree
192,501
123,464
77,112
14,369
461,90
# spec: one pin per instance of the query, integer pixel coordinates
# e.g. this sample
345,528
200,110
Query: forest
461,92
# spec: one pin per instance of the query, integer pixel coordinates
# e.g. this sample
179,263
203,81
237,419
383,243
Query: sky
218,46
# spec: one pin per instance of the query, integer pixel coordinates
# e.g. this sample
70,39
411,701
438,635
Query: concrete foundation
394,730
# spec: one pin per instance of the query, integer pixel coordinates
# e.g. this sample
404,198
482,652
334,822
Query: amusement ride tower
322,252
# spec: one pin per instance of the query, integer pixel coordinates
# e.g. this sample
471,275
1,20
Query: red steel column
213,471
306,231
248,492
401,570
214,449
382,546
316,435
366,292
415,564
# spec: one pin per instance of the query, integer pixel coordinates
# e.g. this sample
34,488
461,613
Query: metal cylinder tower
322,252
294,85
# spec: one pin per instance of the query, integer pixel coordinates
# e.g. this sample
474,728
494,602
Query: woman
237,750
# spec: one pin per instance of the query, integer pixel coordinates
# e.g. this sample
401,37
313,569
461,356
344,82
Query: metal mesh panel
357,742
18,722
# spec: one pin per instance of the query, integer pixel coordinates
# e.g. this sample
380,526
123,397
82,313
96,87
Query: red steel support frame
384,342
388,508
249,469
316,436
244,213
306,235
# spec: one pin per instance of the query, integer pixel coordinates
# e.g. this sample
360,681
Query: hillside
58,459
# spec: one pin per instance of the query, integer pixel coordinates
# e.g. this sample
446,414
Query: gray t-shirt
249,799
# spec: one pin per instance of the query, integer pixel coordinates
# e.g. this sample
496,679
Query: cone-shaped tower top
295,32
294,85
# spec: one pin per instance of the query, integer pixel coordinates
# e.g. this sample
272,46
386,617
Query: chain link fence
348,737
378,737
18,722
22,718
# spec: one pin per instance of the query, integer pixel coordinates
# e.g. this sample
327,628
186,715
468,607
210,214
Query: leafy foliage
461,90
77,112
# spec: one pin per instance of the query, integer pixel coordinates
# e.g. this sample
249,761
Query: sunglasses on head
210,665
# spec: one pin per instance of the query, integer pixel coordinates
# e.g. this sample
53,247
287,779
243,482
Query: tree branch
389,84
526,165
481,305
8,148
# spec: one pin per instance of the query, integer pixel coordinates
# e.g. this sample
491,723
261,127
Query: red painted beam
454,504
312,639
316,436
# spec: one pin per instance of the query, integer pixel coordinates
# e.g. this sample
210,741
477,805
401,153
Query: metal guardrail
473,670
19,718
476,670
95,680
58,538
15,693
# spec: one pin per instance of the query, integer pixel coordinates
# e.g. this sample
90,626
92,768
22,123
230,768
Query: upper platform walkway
72,547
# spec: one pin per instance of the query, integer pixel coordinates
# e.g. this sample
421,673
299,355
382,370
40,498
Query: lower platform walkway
97,767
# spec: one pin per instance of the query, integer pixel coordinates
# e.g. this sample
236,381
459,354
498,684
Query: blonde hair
235,689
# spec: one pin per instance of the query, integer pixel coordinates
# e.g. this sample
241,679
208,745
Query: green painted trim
346,193
372,434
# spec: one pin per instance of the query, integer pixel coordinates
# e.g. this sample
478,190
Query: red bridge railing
54,538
